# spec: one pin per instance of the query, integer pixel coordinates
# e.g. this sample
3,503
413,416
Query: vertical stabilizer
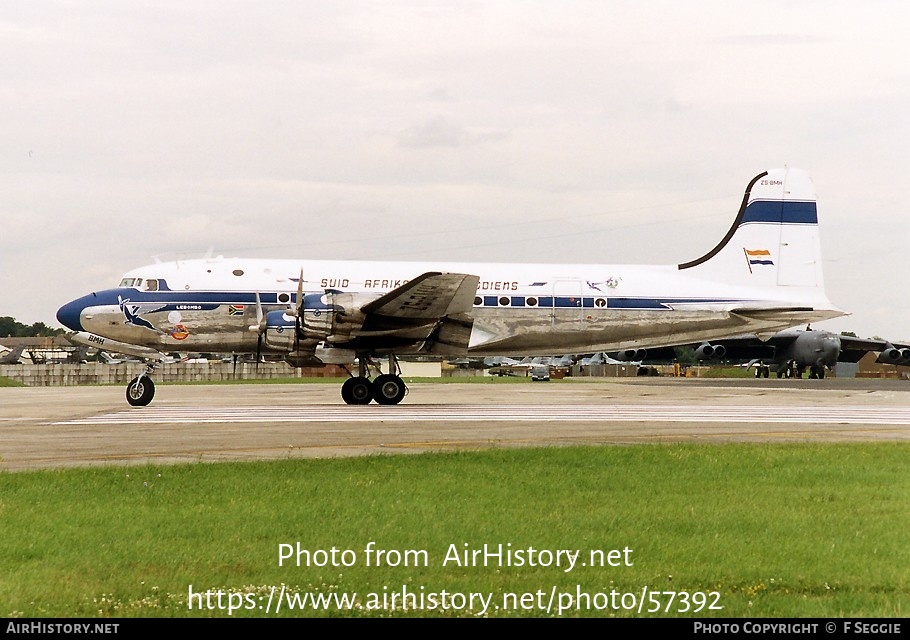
774,241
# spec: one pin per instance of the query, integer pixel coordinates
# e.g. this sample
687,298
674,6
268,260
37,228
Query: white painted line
506,413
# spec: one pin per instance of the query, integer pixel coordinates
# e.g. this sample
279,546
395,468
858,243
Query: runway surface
83,426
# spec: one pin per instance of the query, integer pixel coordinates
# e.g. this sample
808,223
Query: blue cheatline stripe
781,212
207,300
213,298
634,303
574,302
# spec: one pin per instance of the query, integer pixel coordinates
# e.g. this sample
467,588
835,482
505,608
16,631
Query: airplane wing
896,353
432,308
751,347
426,297
741,348
853,349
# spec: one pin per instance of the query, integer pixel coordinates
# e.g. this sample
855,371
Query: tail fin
13,355
774,240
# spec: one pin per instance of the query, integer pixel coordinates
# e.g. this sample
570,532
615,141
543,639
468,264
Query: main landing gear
386,388
140,390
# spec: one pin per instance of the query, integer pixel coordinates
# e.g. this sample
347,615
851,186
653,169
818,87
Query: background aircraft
601,357
793,352
12,356
109,359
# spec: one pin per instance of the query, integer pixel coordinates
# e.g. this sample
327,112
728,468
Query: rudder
774,239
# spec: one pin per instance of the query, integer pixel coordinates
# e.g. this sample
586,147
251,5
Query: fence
64,375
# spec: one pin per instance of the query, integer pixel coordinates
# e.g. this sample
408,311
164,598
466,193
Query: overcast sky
601,131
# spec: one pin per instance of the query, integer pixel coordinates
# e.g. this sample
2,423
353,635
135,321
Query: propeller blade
261,320
298,312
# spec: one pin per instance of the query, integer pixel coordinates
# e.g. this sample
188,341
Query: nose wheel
140,391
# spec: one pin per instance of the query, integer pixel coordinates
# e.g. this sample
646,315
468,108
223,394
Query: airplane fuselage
763,276
540,309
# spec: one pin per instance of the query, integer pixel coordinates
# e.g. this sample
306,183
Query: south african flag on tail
758,256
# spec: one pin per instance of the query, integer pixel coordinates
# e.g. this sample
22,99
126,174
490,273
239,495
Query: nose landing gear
141,389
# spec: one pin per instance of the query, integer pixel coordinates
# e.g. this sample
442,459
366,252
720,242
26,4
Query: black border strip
739,216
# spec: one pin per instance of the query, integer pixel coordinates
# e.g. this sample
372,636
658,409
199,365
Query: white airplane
764,275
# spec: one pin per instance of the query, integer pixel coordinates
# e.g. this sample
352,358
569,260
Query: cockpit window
131,282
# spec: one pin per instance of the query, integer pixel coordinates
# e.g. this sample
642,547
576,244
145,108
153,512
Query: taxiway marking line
503,413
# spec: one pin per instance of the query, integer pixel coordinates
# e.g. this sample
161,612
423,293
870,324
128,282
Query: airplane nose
831,348
69,315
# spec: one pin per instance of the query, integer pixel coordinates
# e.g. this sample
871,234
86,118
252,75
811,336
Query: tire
388,389
140,391
356,391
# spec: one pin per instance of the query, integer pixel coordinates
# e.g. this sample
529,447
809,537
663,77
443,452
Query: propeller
259,328
298,313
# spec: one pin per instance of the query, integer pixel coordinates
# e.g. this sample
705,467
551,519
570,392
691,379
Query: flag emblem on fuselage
758,256
235,310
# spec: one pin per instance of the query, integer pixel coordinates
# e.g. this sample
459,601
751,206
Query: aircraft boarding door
566,303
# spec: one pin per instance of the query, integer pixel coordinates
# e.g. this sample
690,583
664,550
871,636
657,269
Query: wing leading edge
433,309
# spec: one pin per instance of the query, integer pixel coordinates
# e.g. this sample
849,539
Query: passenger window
151,285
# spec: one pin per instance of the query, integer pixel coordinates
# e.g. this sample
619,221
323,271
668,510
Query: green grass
776,530
9,382
728,372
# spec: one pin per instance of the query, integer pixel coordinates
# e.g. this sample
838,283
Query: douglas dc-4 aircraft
763,276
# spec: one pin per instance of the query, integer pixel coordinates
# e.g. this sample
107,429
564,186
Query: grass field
771,530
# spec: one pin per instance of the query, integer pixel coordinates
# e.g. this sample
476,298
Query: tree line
9,328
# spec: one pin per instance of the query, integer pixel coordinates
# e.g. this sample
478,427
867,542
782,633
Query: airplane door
566,302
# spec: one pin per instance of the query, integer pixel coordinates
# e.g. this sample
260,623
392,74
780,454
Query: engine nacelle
302,359
893,355
630,355
707,351
332,313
